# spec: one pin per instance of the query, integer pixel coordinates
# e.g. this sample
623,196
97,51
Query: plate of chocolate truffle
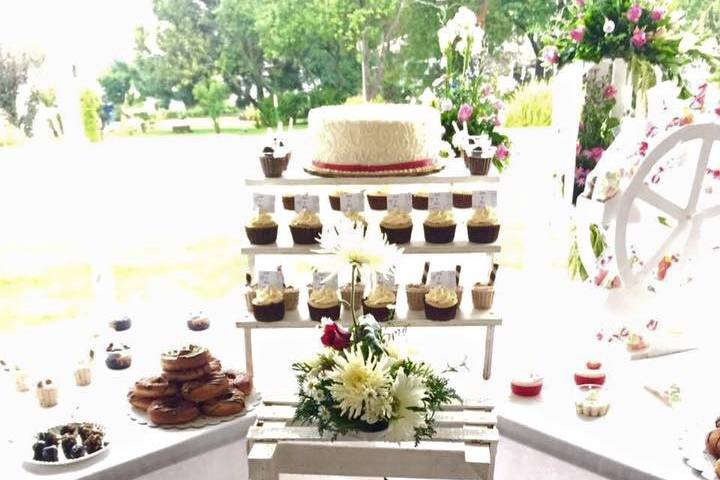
67,444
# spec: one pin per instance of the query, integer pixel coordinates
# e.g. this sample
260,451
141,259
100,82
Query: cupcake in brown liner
335,200
288,202
377,200
439,227
306,228
378,302
476,163
262,229
483,226
291,298
324,303
272,167
346,295
483,296
462,199
415,293
268,305
397,226
420,200
441,304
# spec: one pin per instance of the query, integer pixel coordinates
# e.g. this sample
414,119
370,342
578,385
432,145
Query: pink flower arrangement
335,336
551,56
596,153
635,13
643,148
580,3
502,152
717,111
639,39
580,175
657,14
578,147
578,34
609,92
465,113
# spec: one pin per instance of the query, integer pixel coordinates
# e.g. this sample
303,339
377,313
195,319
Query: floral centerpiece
643,33
463,93
360,382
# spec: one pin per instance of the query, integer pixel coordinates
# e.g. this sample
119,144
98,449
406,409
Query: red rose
335,336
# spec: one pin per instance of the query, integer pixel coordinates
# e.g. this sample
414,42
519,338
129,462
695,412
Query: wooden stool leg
493,454
262,464
489,334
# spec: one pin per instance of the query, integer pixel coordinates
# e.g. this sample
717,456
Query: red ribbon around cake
340,167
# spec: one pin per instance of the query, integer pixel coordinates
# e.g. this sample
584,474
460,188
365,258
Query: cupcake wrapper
462,200
416,299
459,292
419,202
483,233
483,298
440,314
377,202
335,202
288,203
316,314
47,397
305,235
262,235
381,314
345,295
397,235
291,298
286,161
477,165
269,313
439,234
272,167
83,377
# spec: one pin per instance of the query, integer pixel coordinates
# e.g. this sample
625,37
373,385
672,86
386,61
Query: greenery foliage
293,105
89,107
211,96
14,74
530,106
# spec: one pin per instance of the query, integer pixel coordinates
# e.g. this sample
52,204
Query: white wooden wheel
684,217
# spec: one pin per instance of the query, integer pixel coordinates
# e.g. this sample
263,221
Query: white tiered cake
374,140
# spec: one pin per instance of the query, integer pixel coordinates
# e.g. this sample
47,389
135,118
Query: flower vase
370,432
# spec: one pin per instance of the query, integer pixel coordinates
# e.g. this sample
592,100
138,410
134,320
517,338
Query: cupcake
346,295
288,202
261,229
415,293
483,226
291,298
21,378
420,200
397,226
441,304
592,401
118,356
305,228
377,200
378,302
482,296
324,302
439,227
462,199
272,167
527,386
121,324
335,200
47,393
592,374
269,305
83,374
478,160
198,322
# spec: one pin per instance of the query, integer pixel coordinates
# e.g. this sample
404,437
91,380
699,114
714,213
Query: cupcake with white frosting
441,304
397,226
483,226
378,303
261,229
439,227
324,303
269,305
592,401
305,228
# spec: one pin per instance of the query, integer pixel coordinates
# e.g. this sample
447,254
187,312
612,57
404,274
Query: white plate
692,447
141,417
62,461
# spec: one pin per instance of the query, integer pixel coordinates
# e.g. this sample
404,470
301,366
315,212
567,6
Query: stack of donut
192,383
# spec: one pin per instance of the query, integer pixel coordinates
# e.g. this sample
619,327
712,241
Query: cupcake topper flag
426,269
457,274
493,273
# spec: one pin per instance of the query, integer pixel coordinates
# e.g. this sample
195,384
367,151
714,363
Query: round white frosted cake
374,140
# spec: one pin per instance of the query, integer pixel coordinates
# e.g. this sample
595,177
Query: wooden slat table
464,447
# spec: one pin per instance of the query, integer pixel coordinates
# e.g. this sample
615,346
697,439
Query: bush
530,106
359,100
196,111
89,106
251,113
10,135
322,96
290,105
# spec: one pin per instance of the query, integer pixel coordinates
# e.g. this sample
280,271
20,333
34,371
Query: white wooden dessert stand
467,316
464,447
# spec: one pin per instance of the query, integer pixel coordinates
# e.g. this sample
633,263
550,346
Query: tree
14,89
116,82
89,106
211,95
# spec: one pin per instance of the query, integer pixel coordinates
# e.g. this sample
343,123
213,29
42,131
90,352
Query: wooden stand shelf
462,246
464,447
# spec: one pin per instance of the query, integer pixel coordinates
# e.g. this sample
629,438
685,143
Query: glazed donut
172,411
139,402
187,357
230,403
204,389
187,375
240,380
154,387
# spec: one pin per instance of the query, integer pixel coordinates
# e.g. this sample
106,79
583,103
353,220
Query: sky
89,33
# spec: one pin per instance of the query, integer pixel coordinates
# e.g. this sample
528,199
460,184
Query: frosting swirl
306,219
441,297
483,216
396,218
267,296
440,218
262,219
382,296
323,298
